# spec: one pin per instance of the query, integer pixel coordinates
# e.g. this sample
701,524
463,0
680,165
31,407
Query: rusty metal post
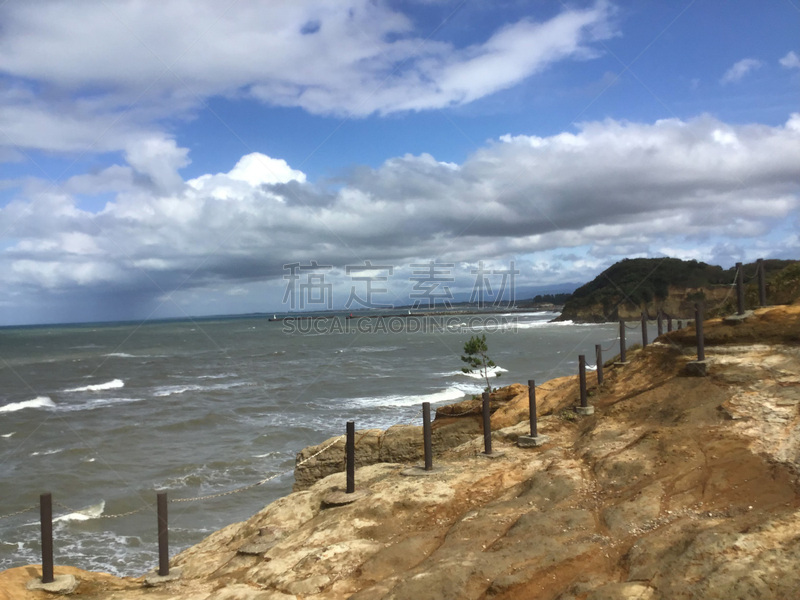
487,425
582,378
426,435
669,323
46,521
698,325
762,283
739,289
644,329
163,534
350,454
622,341
659,325
532,407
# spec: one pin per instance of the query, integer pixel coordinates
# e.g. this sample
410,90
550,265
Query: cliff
677,487
673,286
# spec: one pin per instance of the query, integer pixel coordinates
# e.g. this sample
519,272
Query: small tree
476,356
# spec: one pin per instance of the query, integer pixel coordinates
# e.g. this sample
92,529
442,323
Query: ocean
105,415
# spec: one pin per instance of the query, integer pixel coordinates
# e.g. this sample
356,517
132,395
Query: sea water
104,416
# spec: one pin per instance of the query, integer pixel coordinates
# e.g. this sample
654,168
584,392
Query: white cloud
791,60
86,76
740,69
610,187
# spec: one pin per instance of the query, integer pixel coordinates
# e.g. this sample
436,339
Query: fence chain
19,512
116,516
610,345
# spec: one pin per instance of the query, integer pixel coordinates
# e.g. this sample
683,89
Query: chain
610,346
19,512
117,516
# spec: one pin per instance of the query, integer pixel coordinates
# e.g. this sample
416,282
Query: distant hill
671,285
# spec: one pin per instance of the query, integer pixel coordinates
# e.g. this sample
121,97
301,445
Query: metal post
659,325
532,407
762,284
644,329
350,453
622,341
487,425
669,323
426,435
163,534
739,288
698,324
582,378
46,520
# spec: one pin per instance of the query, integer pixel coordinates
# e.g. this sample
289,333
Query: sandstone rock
677,488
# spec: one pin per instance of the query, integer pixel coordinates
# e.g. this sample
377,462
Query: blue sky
169,159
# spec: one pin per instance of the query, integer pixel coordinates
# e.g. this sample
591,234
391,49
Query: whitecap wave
90,512
97,403
446,395
99,387
478,374
8,435
120,355
47,452
38,402
220,376
170,390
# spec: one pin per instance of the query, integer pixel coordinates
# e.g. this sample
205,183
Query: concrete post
532,408
644,329
762,285
46,522
426,435
598,357
698,324
487,425
739,289
163,534
350,457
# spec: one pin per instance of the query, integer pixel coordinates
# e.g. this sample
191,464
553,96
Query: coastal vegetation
476,355
632,286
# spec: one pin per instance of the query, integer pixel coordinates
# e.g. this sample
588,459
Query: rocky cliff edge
677,487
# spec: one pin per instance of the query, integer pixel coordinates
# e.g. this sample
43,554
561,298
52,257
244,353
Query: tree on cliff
477,357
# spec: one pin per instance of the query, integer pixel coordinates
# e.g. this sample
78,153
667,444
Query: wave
97,403
492,372
47,452
8,435
120,355
220,376
90,512
170,390
38,402
446,395
98,387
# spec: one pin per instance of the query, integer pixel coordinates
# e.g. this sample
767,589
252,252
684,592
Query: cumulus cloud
791,60
608,188
68,92
740,69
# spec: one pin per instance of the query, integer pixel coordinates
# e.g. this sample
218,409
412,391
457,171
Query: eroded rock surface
676,488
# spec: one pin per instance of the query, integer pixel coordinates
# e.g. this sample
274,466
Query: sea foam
38,402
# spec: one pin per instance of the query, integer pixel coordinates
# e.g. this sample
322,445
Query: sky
200,157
